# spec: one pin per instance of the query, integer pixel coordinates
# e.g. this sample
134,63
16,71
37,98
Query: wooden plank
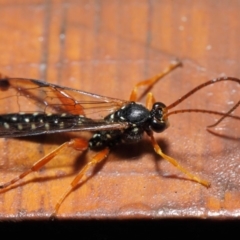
106,47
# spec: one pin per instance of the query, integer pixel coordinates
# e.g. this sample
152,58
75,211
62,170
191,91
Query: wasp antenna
225,115
201,111
213,81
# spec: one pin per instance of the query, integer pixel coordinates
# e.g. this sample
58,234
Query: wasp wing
27,99
27,95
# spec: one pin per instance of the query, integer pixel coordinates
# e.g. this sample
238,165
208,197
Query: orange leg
78,144
150,82
176,164
100,156
150,101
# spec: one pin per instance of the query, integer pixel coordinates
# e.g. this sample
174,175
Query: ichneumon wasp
44,108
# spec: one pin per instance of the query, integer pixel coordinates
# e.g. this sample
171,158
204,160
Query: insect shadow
123,152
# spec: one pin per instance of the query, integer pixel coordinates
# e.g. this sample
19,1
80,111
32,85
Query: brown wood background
106,47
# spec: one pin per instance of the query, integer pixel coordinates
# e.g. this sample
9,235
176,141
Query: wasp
112,121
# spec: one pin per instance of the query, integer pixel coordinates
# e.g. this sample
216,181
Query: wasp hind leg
99,157
78,144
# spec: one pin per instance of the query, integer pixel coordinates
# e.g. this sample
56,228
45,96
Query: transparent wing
26,95
61,109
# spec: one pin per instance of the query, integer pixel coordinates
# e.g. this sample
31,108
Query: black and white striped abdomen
26,124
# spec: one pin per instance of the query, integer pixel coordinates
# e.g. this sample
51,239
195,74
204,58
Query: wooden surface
106,47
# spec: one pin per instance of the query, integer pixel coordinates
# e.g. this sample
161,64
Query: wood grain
106,47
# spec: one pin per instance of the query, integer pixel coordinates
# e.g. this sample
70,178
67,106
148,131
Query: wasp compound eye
158,126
